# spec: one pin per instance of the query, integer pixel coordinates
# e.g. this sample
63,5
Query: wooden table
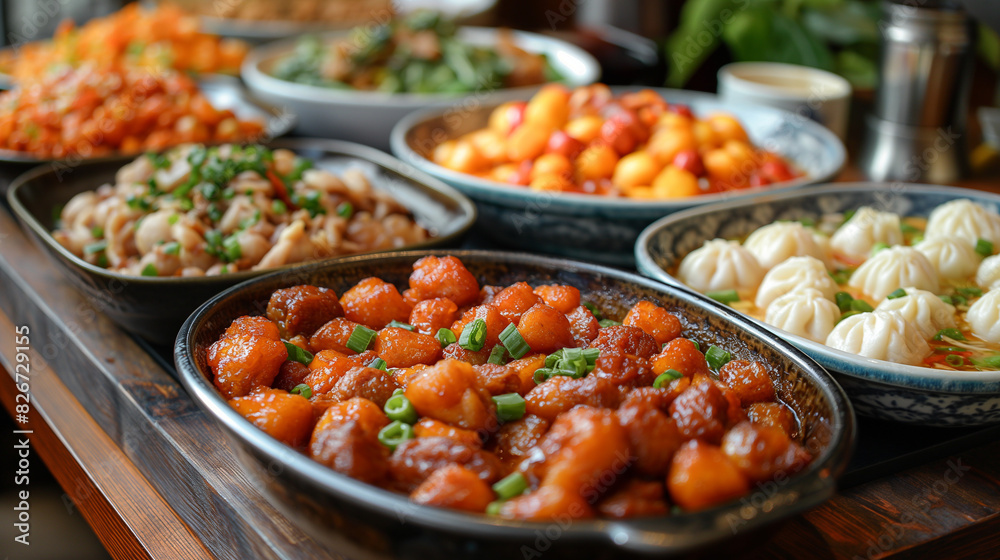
156,478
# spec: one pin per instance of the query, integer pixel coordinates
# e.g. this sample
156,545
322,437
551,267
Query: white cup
812,93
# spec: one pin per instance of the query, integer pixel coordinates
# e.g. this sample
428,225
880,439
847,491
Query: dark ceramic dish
902,393
154,308
602,228
360,520
224,92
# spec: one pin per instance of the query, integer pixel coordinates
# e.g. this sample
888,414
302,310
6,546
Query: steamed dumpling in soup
796,273
805,312
778,242
894,268
955,259
963,219
721,265
926,311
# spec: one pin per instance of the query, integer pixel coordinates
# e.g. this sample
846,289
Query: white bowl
367,117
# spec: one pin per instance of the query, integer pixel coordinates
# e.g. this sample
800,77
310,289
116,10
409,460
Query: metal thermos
917,130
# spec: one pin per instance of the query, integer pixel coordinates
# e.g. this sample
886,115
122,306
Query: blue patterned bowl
877,388
598,228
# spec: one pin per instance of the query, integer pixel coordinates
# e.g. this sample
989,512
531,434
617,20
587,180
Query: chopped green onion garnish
302,389
943,349
896,294
717,357
907,228
377,363
172,219
879,246
345,210
494,507
512,340
278,207
608,323
97,247
954,360
446,337
97,232
848,215
591,355
102,260
509,407
953,334
497,355
395,433
862,306
510,486
298,354
696,345
666,377
360,338
398,407
172,248
401,325
150,270
987,362
593,310
473,336
724,296
844,301
970,292
958,300
984,247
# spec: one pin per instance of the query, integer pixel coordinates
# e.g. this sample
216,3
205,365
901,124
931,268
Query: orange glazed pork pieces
521,402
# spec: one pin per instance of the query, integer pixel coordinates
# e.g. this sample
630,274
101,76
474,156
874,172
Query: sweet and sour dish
909,290
518,401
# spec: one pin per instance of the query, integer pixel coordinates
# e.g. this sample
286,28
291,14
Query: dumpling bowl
877,388
377,523
604,228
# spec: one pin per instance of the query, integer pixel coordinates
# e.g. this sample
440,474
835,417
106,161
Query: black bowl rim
643,535
340,147
497,192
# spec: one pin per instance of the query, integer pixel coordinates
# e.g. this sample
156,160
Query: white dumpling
806,313
984,317
988,274
923,309
880,335
963,219
720,265
953,258
777,242
866,228
894,268
796,273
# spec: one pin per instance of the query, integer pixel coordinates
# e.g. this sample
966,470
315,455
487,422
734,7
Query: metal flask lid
917,129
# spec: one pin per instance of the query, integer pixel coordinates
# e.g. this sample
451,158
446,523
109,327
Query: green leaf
698,35
858,69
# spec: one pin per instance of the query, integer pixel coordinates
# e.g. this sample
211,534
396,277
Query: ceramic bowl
879,389
599,228
367,117
348,514
155,307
